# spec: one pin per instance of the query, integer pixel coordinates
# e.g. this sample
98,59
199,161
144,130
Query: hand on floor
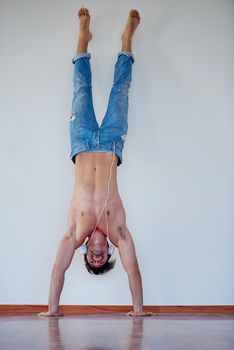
50,314
144,313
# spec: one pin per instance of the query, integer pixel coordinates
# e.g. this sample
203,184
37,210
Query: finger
130,313
42,315
45,314
144,314
56,315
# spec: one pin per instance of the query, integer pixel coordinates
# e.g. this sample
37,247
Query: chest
107,219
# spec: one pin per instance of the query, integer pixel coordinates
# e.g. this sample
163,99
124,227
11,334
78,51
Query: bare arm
63,260
129,260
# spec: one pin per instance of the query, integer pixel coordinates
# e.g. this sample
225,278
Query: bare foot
131,25
84,16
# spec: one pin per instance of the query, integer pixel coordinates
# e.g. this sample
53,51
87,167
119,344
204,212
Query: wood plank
117,332
102,309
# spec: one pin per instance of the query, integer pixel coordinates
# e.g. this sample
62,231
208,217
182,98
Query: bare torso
90,193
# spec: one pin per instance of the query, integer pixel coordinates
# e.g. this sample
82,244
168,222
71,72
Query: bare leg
84,34
131,25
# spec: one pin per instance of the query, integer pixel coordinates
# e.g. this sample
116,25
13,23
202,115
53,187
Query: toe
134,13
137,14
87,12
81,11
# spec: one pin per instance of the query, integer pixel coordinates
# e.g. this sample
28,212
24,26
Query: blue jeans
85,133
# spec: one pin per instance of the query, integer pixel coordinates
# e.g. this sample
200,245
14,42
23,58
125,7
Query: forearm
56,286
135,283
63,259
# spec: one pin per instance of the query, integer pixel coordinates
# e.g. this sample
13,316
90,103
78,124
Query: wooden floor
117,331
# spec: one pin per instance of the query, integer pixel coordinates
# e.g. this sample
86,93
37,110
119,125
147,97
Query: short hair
109,265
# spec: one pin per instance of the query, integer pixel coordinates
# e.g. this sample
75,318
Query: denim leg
115,121
83,117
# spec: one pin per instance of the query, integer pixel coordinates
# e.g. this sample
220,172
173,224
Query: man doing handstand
96,212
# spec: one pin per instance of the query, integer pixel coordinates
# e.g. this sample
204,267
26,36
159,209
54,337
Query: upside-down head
97,258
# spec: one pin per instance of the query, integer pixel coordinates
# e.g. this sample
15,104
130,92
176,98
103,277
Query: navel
82,213
94,168
108,212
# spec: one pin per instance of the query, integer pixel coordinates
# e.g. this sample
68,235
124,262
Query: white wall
176,180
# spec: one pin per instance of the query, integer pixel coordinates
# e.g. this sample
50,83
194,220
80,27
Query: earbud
84,249
111,249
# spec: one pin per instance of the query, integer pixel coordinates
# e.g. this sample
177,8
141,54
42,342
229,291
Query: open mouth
97,260
96,264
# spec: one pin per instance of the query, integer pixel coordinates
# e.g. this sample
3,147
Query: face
97,253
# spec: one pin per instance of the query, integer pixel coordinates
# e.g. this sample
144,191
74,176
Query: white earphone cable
108,193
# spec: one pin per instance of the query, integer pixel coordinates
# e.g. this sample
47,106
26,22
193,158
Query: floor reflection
88,336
